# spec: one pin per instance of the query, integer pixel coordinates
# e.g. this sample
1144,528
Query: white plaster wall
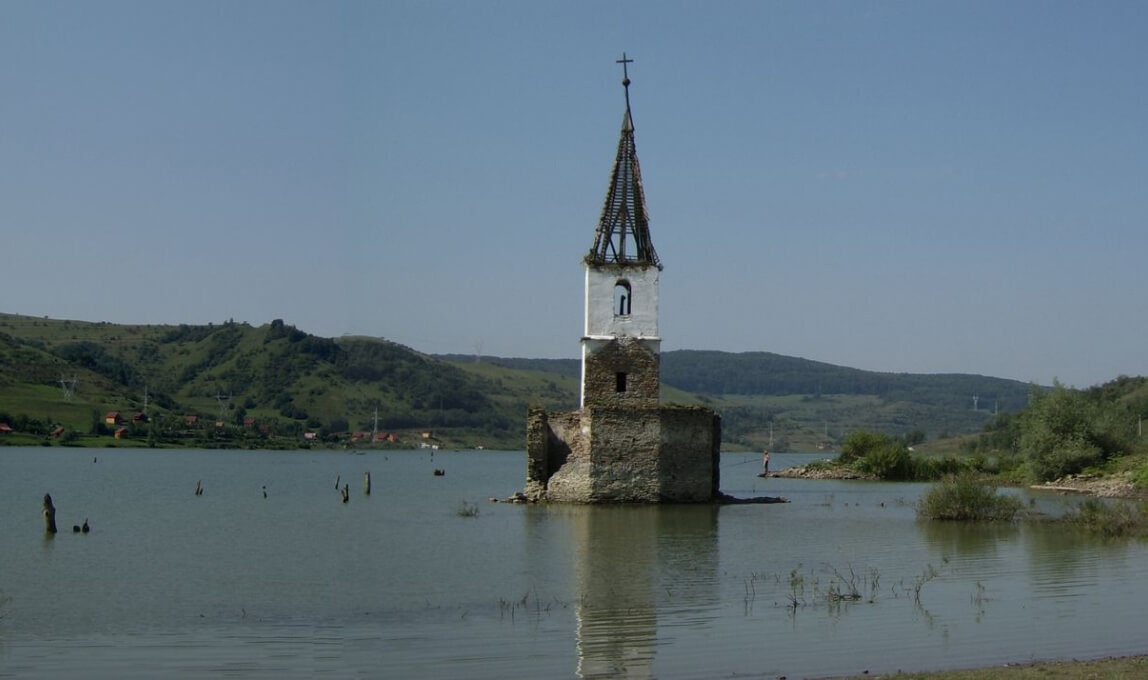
642,321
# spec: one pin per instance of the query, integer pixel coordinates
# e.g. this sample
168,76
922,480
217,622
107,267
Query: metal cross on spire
625,76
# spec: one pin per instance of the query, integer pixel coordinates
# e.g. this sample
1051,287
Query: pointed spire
623,235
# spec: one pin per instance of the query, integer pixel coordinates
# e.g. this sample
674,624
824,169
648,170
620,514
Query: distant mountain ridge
709,372
289,381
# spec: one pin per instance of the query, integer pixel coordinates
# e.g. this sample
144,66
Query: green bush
1140,476
964,497
1065,431
890,461
1064,457
859,443
928,469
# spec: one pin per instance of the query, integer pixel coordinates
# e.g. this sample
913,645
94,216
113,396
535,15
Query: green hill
275,382
287,381
810,404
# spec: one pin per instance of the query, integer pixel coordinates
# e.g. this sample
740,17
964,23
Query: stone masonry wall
623,455
622,355
688,435
624,451
552,441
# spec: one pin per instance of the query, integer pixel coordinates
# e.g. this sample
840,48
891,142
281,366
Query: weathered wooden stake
49,514
199,487
346,492
337,478
367,482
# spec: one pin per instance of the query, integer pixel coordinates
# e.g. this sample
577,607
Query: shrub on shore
1064,431
888,458
964,497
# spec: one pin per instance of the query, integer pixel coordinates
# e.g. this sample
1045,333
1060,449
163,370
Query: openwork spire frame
623,234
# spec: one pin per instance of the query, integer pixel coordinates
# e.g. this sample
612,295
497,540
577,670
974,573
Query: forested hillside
805,404
768,374
275,380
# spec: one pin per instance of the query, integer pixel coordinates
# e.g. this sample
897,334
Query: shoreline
1102,486
1110,668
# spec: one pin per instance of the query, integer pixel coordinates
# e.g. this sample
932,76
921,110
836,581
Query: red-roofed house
5,429
121,432
113,418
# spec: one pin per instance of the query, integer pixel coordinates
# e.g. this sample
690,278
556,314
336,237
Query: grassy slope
188,374
185,368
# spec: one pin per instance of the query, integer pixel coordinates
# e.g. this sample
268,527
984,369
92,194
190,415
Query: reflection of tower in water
616,561
628,558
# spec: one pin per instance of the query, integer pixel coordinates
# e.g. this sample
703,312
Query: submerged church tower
621,445
620,344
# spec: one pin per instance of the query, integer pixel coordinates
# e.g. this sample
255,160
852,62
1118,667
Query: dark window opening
619,382
623,298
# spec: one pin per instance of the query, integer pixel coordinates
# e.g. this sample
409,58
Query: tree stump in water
49,514
346,492
367,483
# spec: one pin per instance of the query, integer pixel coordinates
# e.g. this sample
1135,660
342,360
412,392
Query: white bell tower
620,342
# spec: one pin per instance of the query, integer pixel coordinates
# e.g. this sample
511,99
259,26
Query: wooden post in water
367,482
49,514
337,479
346,492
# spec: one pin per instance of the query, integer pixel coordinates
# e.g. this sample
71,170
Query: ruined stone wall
624,451
621,355
553,440
689,459
612,454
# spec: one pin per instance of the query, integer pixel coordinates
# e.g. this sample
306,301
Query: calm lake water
400,584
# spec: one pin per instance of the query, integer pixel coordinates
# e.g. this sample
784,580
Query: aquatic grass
537,609
796,591
467,509
1119,519
964,497
929,574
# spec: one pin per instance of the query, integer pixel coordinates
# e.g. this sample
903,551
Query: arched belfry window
623,298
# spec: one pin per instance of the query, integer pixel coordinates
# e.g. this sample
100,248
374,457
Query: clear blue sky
895,186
